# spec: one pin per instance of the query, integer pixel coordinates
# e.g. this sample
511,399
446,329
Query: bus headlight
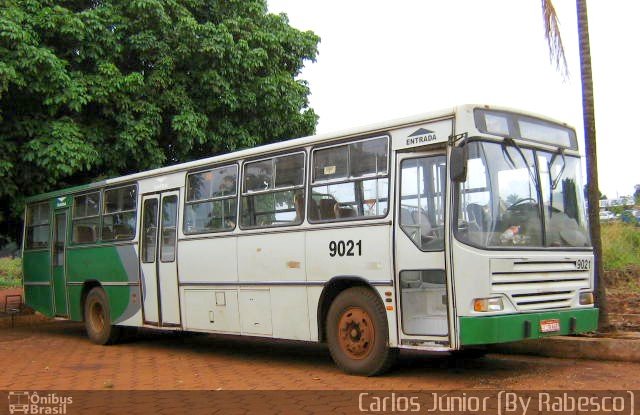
586,298
488,304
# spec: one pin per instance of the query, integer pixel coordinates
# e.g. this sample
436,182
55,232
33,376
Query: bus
442,232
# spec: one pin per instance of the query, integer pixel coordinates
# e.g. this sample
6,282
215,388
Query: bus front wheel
97,320
358,334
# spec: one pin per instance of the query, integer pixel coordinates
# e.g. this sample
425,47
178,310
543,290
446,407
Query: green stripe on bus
100,263
103,264
119,297
511,327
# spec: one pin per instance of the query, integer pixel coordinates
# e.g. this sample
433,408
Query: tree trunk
592,160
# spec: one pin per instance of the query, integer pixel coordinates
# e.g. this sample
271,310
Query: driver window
422,192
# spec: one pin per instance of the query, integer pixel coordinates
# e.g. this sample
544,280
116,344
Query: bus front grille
538,285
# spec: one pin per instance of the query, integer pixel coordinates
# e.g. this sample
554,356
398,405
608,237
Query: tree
552,33
636,195
97,88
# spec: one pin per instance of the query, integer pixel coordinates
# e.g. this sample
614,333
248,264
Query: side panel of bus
370,261
37,277
115,268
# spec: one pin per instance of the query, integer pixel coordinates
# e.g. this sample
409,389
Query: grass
620,246
10,272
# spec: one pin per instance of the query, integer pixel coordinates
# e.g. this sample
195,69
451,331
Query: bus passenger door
159,272
58,256
421,277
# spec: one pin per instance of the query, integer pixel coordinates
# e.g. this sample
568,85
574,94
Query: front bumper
514,327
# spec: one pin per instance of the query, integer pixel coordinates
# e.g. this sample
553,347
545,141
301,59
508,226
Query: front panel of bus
521,257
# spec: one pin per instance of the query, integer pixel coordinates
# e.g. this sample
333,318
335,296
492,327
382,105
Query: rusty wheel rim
356,333
96,316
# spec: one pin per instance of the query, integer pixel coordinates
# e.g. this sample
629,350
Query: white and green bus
440,232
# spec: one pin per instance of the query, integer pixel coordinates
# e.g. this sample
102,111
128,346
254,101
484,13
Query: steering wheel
522,201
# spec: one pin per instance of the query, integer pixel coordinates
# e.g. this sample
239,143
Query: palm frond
554,40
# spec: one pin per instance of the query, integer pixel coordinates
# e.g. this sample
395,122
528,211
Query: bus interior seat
107,233
405,217
298,203
122,231
326,209
314,211
415,220
83,233
421,218
344,211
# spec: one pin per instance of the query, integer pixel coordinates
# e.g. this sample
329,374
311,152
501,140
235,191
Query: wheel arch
331,290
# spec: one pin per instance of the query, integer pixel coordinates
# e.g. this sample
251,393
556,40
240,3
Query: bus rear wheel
358,334
97,320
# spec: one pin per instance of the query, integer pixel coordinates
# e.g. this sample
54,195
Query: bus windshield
521,198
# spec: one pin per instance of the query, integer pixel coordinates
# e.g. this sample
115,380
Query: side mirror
458,164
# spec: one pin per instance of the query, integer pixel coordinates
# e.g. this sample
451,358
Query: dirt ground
57,356
623,298
161,372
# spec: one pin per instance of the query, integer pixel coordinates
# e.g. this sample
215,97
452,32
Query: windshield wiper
532,175
556,180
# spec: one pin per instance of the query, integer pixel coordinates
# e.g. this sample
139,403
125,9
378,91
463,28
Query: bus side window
350,181
119,213
211,200
37,229
273,192
86,218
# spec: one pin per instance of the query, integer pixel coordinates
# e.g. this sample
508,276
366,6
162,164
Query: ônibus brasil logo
421,136
33,403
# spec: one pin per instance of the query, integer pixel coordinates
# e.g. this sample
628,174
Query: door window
422,193
168,235
59,238
149,230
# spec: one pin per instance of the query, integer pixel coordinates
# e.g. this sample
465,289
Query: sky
380,59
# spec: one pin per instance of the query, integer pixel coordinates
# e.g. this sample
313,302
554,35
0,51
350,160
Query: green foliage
10,272
94,88
620,246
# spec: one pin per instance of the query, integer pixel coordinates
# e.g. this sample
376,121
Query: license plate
549,326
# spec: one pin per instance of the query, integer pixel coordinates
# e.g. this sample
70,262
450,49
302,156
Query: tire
97,320
358,333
